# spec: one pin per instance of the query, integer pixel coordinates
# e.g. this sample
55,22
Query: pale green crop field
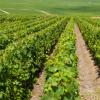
56,7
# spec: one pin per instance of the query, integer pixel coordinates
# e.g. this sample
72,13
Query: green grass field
61,7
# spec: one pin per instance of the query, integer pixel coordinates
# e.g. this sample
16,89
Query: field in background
36,7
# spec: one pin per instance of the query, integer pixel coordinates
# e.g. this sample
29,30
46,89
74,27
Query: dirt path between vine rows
89,88
38,87
42,11
4,11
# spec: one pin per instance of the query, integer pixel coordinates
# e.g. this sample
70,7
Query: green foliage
54,7
21,61
15,32
92,37
95,22
61,71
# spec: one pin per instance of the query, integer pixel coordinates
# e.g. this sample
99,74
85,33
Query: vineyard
30,45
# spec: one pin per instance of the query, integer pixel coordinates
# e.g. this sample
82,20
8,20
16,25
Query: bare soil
88,76
38,88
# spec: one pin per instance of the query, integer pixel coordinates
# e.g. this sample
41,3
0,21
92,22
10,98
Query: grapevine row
22,25
61,83
91,35
22,59
8,38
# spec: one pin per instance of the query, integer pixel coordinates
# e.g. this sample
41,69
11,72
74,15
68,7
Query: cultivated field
40,52
49,50
62,7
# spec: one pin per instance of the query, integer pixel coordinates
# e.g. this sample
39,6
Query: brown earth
38,88
89,84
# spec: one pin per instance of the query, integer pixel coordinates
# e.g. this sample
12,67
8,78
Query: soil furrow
38,87
87,69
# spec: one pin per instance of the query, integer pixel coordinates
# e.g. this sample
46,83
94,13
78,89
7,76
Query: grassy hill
62,7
